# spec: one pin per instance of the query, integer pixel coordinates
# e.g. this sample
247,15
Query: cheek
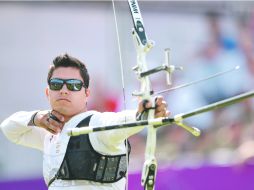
51,97
80,99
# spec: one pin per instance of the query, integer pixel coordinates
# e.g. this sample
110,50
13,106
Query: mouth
63,99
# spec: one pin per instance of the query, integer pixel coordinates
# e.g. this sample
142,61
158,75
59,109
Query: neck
68,117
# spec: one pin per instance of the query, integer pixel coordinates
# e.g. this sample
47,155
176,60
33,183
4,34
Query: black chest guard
82,162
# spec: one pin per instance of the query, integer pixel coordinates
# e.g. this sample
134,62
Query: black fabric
82,162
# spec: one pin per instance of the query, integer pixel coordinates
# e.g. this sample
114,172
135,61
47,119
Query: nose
64,90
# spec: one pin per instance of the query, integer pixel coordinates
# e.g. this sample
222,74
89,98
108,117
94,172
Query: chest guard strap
82,162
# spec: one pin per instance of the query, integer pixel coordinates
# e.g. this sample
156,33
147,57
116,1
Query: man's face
65,101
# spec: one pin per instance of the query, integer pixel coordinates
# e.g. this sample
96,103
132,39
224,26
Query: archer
92,161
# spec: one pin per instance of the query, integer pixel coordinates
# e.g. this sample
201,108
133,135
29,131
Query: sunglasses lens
74,85
56,84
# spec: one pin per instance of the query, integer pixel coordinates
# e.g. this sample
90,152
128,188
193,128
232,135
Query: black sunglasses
72,84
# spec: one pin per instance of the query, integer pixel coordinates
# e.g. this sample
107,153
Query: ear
87,92
47,92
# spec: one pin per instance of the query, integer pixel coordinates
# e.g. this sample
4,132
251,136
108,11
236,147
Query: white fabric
54,146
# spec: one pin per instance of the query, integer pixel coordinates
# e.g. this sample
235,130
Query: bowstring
123,86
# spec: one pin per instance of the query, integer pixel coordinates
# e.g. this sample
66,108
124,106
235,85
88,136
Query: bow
143,46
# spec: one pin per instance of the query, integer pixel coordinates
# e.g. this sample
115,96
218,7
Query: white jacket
53,147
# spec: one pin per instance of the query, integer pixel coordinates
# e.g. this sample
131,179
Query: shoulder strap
84,122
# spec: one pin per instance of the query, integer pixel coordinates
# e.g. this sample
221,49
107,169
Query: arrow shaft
220,104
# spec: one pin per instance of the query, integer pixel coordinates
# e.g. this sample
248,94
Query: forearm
114,138
18,129
122,134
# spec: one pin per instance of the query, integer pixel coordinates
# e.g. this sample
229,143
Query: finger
55,123
159,100
53,129
142,106
46,118
51,125
168,113
164,103
56,116
160,114
40,118
146,104
161,107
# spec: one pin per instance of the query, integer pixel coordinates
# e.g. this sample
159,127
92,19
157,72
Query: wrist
33,119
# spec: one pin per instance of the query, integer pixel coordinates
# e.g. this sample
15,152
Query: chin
62,110
68,110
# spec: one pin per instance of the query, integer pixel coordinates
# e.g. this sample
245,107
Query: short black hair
66,60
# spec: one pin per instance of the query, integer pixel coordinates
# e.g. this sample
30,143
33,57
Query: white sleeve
16,129
112,140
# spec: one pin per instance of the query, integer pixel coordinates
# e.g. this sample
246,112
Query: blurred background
204,37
